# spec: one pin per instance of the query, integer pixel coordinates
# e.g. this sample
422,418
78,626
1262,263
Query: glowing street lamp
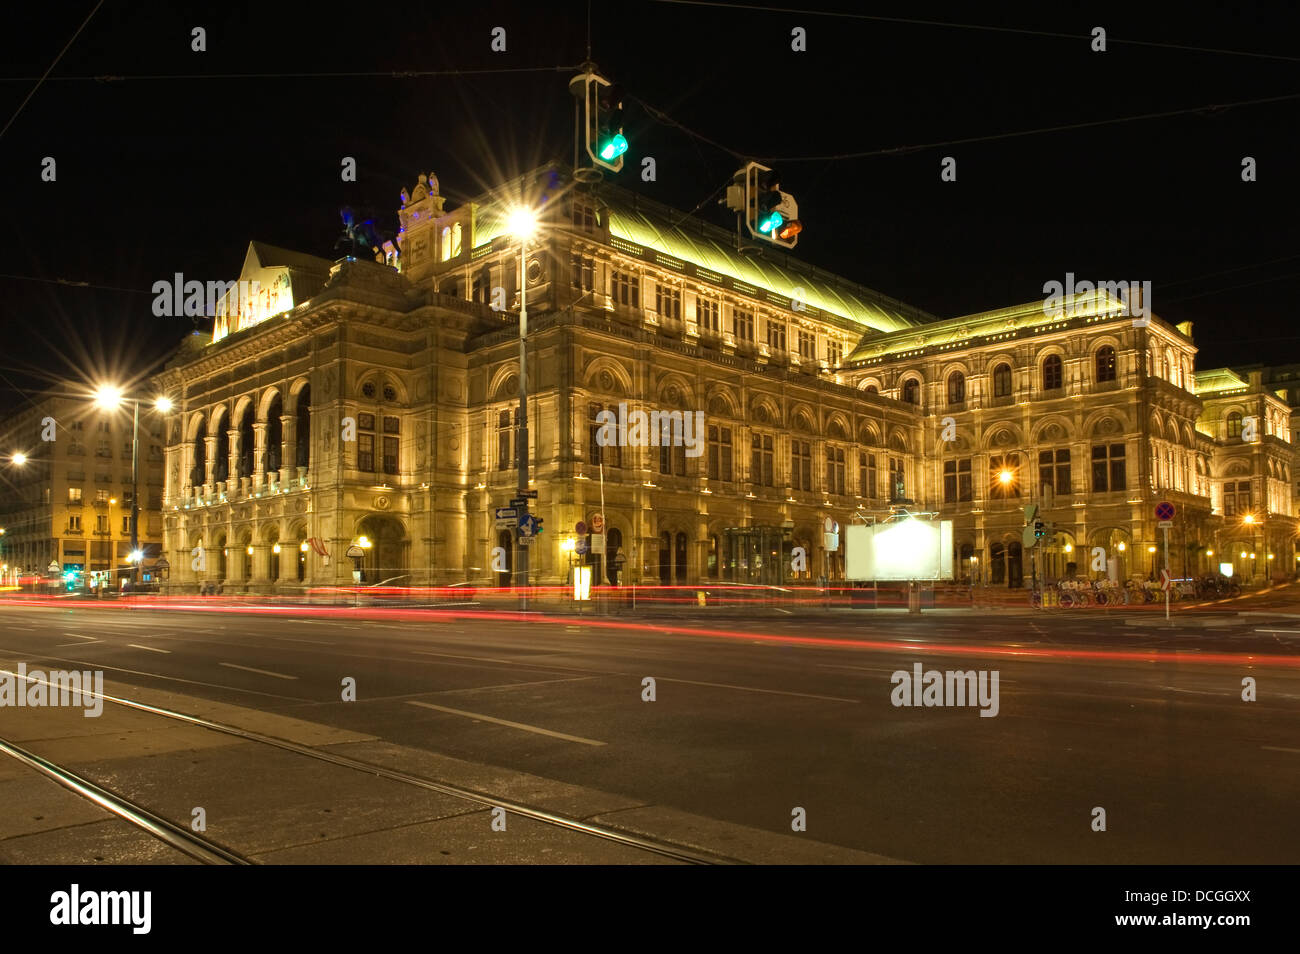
19,458
1005,477
109,397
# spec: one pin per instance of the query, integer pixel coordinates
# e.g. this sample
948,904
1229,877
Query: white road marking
262,672
516,685
59,645
513,725
1279,748
774,692
314,642
93,639
1277,630
149,648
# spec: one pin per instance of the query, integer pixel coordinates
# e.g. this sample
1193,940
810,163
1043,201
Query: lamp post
108,398
522,223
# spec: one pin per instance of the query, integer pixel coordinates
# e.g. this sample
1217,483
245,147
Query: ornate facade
380,403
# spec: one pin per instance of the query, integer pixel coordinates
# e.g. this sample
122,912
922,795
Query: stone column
232,463
210,462
288,446
213,572
259,454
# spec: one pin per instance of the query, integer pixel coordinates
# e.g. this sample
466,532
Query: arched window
221,456
1234,424
446,243
1105,364
1052,372
302,434
274,437
679,557
200,472
1002,381
665,558
912,391
713,557
956,387
872,389
244,462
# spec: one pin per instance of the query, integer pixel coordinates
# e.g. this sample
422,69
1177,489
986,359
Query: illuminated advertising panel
907,549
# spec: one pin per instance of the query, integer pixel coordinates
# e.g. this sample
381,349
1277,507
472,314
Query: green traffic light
614,148
770,223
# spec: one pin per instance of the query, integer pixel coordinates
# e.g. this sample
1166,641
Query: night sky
178,165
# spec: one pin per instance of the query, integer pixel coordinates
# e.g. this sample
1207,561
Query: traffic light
1040,529
770,214
601,120
540,528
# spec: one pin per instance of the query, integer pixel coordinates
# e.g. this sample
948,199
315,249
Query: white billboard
908,549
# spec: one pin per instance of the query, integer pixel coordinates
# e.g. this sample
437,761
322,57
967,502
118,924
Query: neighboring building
1254,490
379,402
70,503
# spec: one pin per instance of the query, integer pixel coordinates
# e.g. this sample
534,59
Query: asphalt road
753,719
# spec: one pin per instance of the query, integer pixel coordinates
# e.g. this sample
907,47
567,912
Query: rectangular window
867,475
743,325
74,524
957,481
719,453
625,289
835,353
74,495
801,465
807,345
612,455
775,335
584,216
392,425
668,301
126,524
761,470
366,453
503,440
834,470
708,312
897,480
366,422
584,273
101,496
1108,472
1054,470
672,460
391,445
102,449
101,523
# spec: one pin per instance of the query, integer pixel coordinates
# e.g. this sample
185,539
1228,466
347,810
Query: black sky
162,175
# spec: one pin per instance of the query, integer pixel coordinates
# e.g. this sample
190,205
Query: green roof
668,237
1219,379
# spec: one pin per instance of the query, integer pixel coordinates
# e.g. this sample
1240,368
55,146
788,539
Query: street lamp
109,397
522,223
19,458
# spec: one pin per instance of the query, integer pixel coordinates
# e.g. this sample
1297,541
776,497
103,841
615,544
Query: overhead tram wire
359,74
1022,31
50,69
920,147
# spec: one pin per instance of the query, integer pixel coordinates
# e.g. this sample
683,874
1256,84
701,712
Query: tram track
209,852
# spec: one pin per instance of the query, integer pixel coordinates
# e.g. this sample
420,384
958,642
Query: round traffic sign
1164,511
597,523
580,529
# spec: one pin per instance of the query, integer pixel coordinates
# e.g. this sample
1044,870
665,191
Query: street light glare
20,458
522,222
108,396
164,404
1005,476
